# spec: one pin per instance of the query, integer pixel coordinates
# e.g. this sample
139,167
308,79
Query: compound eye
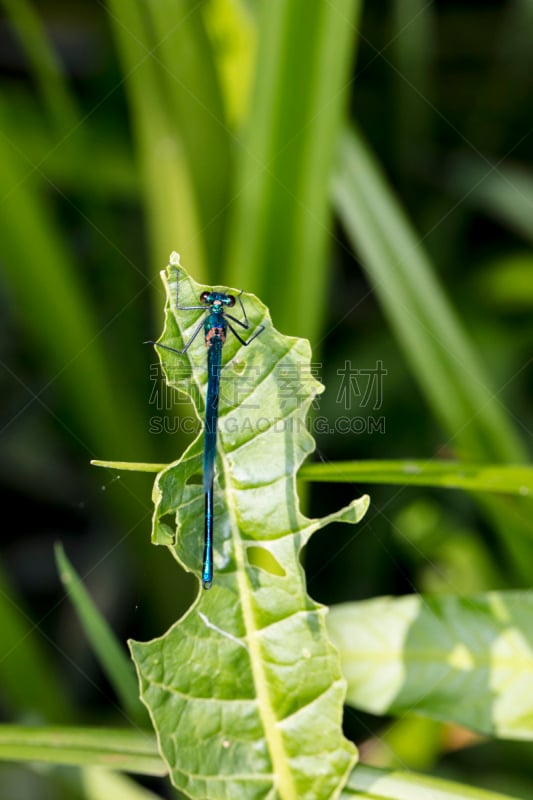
231,300
204,297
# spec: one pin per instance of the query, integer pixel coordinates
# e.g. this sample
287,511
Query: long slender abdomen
214,360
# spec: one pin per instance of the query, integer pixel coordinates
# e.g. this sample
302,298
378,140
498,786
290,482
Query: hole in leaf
165,533
263,559
195,479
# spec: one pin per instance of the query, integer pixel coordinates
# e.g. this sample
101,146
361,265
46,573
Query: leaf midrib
272,732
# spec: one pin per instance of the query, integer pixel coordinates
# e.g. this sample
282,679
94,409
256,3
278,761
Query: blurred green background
247,136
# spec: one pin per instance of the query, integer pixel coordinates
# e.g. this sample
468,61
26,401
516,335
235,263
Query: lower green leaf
463,659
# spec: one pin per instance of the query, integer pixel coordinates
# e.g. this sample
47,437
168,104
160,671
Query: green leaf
369,783
510,479
463,659
110,654
119,749
245,691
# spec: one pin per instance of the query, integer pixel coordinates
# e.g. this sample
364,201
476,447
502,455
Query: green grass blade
509,479
44,280
128,466
411,50
112,657
467,660
118,749
503,191
282,221
183,60
169,192
47,71
232,29
137,753
102,784
253,644
440,354
434,342
369,783
26,676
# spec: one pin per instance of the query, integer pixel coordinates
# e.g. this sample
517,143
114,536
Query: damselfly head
217,299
